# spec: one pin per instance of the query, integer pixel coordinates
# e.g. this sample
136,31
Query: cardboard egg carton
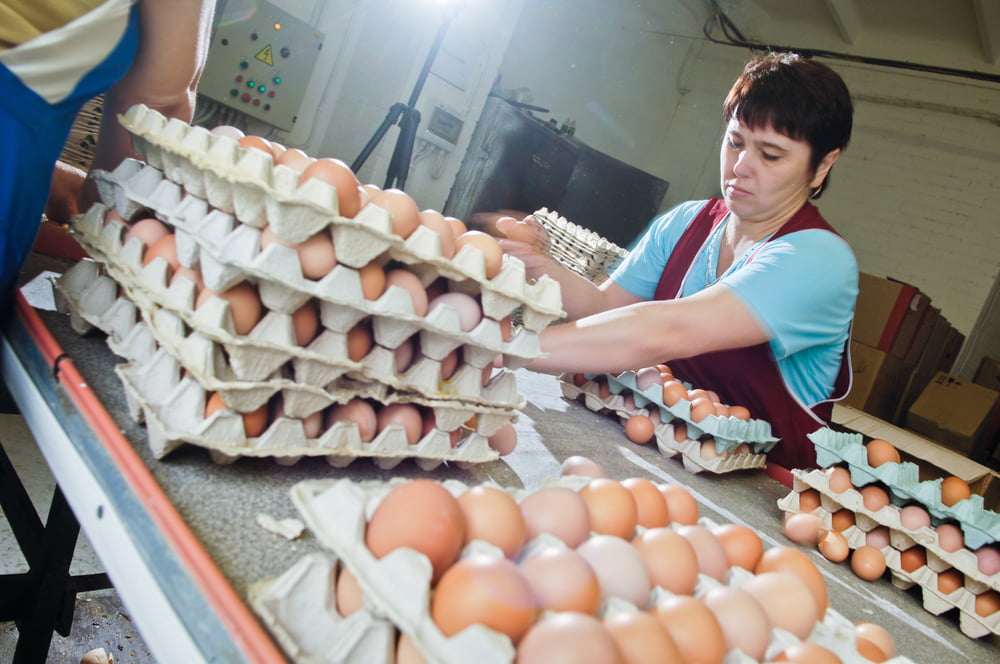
203,335
689,449
901,539
270,195
398,585
980,525
228,252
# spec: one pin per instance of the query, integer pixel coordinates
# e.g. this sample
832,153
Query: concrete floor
100,619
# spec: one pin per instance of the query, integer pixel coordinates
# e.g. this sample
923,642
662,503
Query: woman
55,55
750,295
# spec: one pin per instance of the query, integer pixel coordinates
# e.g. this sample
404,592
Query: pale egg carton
903,482
398,585
271,196
901,538
689,449
323,365
173,405
297,609
228,252
926,577
580,249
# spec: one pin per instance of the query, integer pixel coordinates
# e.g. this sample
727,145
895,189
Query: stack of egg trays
397,588
729,432
938,559
258,193
979,524
167,388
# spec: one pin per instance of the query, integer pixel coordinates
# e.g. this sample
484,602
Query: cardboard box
952,346
932,459
988,373
957,413
888,313
918,344
879,379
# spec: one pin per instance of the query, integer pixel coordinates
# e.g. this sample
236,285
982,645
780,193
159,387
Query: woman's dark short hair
798,97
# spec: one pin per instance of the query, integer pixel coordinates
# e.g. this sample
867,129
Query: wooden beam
988,23
846,17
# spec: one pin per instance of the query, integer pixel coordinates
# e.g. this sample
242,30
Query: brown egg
372,278
256,143
294,159
834,546
874,497
165,248
795,562
422,515
350,598
670,558
842,519
950,537
806,652
305,322
701,408
449,364
317,255
988,560
562,580
254,422
694,629
337,173
244,305
809,500
742,545
404,355
484,590
504,440
192,274
642,638
611,507
403,210
786,600
913,517
639,429
409,282
949,581
743,620
803,528
877,635
568,638
651,506
579,465
493,516
492,254
869,651
954,489
681,505
739,412
680,430
435,221
868,563
839,479
559,511
359,341
404,414
673,392
356,411
881,451
148,230
912,559
711,556
457,226
987,603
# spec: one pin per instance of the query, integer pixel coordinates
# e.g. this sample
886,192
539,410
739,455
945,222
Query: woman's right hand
528,240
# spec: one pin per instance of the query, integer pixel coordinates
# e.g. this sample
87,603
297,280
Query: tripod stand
408,118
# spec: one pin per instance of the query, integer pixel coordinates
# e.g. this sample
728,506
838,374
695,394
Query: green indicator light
251,84
234,92
262,89
244,64
277,80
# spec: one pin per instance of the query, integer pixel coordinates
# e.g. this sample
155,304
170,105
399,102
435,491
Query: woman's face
765,174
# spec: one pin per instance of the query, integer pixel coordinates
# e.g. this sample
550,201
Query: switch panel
260,61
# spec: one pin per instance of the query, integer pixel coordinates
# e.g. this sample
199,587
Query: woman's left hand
67,183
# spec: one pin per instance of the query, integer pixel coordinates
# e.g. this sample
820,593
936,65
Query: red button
271,93
256,102
246,96
239,79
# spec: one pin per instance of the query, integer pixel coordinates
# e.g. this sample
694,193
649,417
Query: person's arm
649,333
173,45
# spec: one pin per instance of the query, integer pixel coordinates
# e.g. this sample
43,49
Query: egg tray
580,249
964,560
206,335
392,316
247,183
397,586
689,450
926,577
979,524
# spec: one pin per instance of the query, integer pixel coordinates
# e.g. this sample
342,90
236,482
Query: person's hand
67,183
528,240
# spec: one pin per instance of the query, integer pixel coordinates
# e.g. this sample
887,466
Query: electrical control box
260,61
443,128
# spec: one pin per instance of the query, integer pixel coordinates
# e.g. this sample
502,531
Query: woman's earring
814,194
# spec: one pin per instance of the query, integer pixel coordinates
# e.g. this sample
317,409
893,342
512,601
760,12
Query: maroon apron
750,376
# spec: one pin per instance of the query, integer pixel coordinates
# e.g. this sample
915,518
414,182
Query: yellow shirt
21,20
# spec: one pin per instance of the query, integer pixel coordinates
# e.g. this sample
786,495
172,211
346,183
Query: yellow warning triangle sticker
266,56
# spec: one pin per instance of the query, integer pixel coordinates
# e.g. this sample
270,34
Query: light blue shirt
800,287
